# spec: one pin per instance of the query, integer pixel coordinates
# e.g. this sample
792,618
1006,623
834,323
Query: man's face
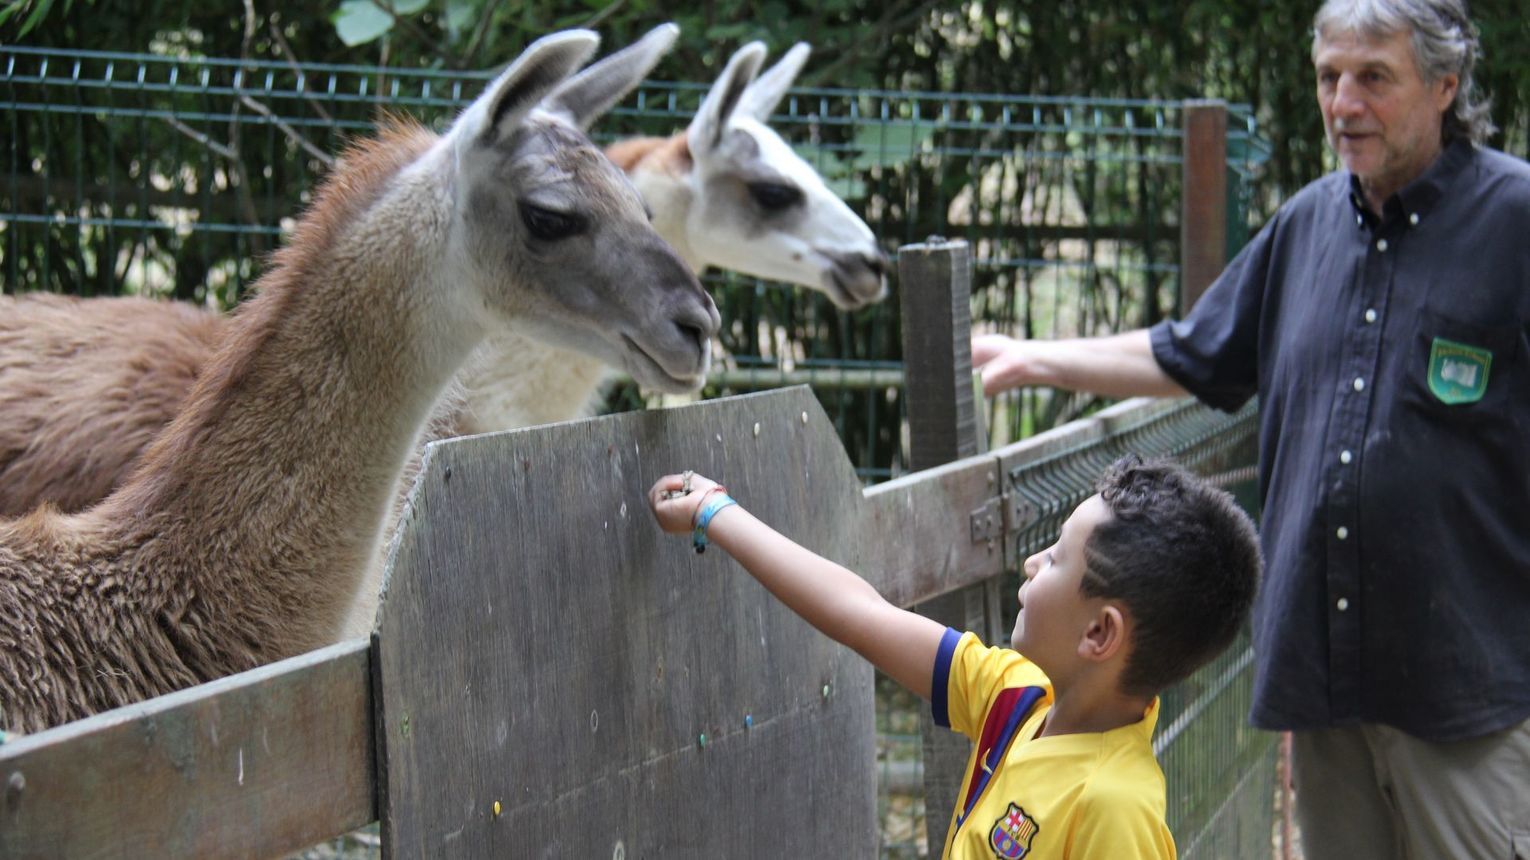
1053,611
1382,119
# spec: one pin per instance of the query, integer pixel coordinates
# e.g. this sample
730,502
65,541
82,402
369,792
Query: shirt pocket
1462,371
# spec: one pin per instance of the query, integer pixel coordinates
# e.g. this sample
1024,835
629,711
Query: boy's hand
675,509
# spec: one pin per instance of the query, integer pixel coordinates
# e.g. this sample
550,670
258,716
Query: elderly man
1382,316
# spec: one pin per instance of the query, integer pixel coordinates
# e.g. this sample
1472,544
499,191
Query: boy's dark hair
1183,559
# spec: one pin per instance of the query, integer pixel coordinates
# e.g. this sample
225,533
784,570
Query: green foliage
26,14
1254,53
358,22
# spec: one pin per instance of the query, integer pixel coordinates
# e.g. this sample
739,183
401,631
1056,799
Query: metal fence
174,176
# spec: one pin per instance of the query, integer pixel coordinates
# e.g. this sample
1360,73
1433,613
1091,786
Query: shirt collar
1417,198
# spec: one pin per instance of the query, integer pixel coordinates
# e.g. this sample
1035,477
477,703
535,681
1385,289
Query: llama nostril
693,333
877,263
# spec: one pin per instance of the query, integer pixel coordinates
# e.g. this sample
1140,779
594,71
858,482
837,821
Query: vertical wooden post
1203,209
936,280
943,416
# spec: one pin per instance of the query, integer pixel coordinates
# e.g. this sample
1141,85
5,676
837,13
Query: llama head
758,208
557,240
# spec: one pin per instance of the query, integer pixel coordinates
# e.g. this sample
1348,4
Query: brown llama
85,384
241,535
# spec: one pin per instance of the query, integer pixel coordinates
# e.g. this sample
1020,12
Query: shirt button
1345,457
1342,533
1370,315
1343,604
1381,245
1359,384
1413,219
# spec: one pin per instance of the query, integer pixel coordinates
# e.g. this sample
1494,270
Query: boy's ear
1106,635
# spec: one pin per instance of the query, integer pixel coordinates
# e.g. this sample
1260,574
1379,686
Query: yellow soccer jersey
1094,795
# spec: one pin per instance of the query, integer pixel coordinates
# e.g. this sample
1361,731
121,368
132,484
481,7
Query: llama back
84,386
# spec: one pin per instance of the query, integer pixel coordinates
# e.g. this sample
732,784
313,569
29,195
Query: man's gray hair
1444,43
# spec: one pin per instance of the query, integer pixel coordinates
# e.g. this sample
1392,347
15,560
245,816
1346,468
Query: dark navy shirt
1390,358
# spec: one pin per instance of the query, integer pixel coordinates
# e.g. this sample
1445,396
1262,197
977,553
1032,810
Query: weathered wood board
559,678
255,765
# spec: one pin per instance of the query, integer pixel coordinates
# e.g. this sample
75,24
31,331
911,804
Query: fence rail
274,759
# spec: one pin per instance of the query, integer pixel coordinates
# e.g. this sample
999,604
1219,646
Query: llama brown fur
129,599
80,408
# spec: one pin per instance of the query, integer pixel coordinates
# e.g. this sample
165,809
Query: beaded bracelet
704,515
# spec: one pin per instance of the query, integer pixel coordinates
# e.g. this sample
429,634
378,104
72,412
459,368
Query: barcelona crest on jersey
1012,834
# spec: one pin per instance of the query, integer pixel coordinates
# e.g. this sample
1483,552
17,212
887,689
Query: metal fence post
1203,207
935,281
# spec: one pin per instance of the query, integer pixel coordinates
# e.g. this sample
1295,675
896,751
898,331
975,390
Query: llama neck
662,170
288,451
513,380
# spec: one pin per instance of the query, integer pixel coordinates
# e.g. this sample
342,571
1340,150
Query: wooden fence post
943,417
1203,206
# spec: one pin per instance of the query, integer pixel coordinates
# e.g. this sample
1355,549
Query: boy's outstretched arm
827,595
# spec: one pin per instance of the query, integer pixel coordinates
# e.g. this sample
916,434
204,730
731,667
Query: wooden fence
552,676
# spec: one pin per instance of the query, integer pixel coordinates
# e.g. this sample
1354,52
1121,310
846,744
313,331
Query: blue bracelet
699,533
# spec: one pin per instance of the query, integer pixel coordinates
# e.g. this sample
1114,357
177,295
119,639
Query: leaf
890,143
409,7
836,172
39,11
360,21
460,15
729,33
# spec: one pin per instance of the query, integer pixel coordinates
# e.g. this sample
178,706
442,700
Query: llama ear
762,96
711,120
544,65
589,94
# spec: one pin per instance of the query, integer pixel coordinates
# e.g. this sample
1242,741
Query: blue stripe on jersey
940,683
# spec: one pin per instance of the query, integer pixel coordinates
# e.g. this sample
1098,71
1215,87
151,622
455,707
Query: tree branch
293,134
286,49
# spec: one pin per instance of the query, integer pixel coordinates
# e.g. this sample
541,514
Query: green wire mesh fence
175,176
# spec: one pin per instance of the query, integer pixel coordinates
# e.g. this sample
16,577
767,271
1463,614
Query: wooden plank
258,764
919,531
545,648
1203,206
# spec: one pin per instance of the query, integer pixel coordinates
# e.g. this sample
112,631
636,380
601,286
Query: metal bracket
987,521
1019,512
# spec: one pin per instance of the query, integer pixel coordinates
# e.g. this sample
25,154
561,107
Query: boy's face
1053,611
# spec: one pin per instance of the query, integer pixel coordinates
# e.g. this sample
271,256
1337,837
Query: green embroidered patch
1458,373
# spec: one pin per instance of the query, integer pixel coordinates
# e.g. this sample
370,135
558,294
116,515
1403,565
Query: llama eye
548,224
774,196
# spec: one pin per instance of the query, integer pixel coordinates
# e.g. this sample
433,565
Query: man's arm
827,595
1119,365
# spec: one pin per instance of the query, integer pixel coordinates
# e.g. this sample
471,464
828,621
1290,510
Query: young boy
1148,580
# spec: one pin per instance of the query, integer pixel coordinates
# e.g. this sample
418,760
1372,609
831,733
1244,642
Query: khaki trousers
1372,791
